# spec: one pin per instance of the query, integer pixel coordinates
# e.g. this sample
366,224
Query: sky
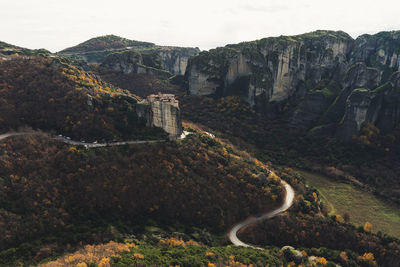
58,24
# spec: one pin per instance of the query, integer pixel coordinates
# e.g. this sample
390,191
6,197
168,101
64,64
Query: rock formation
275,67
160,61
129,56
162,110
318,74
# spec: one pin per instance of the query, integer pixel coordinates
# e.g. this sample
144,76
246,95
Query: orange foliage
173,242
92,253
368,258
322,261
368,227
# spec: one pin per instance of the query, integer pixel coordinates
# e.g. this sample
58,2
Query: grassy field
362,206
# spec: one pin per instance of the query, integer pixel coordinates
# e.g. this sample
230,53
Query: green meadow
361,205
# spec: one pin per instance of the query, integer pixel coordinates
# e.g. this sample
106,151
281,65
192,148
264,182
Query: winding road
286,205
233,232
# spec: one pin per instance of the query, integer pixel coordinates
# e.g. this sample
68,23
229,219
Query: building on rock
162,110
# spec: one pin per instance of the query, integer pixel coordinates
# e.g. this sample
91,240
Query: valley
361,206
119,152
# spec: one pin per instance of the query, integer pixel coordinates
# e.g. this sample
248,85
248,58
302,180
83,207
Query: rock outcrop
380,106
275,68
162,110
131,61
358,111
174,59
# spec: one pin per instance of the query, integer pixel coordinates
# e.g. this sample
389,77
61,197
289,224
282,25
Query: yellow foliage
99,254
138,256
322,261
209,253
211,264
273,177
81,264
73,149
339,219
368,227
173,242
343,256
368,258
315,196
105,262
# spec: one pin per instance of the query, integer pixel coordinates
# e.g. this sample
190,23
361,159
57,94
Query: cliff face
162,111
131,61
163,62
167,117
275,68
175,59
316,73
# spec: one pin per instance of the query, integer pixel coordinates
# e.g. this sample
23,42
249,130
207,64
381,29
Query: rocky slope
315,73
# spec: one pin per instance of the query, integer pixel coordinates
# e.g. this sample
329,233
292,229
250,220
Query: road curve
288,202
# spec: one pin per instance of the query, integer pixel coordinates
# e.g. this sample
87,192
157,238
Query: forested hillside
48,93
67,194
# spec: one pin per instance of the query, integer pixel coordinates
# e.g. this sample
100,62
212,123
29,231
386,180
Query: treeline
61,193
49,94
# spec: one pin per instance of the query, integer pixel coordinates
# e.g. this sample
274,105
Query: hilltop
104,43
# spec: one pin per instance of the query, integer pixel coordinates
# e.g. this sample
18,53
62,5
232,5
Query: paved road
93,145
287,204
4,136
89,145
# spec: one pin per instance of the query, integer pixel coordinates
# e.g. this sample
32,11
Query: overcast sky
57,24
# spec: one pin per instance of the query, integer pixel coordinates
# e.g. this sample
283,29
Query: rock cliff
160,61
162,110
274,68
318,75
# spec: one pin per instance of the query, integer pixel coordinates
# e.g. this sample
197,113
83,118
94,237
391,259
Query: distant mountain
115,52
105,43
